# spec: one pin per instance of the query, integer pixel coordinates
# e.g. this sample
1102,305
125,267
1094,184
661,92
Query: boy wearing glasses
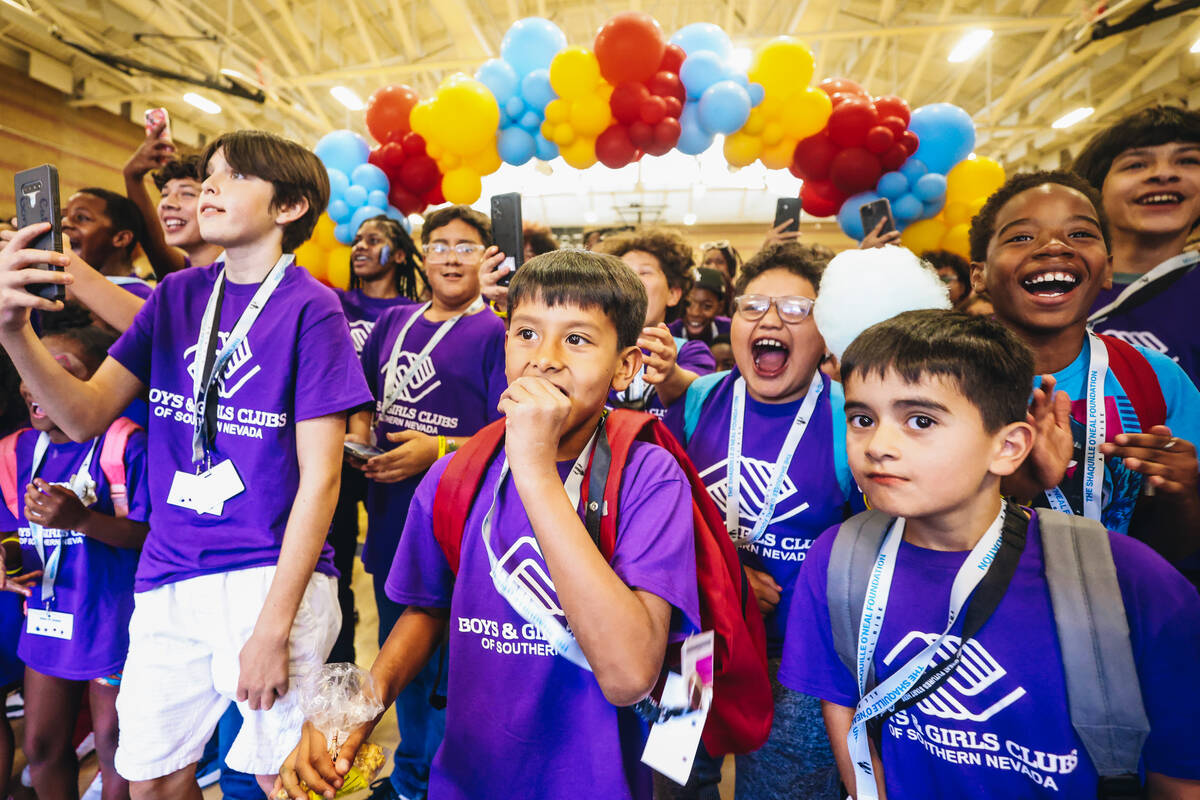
768,438
437,372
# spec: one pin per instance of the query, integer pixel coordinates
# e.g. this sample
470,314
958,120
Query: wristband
441,444
16,570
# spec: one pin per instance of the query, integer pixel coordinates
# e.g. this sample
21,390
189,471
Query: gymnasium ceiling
1046,57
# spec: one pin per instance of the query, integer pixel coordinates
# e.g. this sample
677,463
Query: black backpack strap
601,463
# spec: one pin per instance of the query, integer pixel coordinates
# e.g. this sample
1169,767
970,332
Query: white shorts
182,672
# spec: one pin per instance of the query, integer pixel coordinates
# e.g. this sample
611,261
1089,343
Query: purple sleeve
329,376
138,289
696,356
370,356
420,574
1164,627
133,350
656,548
7,523
137,487
810,663
676,328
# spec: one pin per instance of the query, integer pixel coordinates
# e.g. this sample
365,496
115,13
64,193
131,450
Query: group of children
188,560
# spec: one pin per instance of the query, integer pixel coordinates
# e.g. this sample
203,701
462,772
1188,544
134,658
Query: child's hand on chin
536,412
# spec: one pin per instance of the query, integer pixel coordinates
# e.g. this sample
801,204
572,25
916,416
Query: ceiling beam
1182,39
360,26
1047,73
914,78
399,23
285,60
303,46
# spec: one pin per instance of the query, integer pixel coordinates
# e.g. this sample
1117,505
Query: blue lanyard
78,483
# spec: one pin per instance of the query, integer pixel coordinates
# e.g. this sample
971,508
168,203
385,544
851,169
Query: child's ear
1012,445
674,295
122,239
978,276
291,212
629,361
1108,273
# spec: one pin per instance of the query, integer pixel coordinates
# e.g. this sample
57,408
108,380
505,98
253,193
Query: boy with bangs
954,575
521,720
250,371
1040,248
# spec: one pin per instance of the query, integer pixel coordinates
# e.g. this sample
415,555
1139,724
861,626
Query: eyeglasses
440,251
721,245
949,278
791,308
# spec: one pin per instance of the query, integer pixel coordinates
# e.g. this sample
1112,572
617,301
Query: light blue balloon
363,214
339,211
355,197
532,43
693,139
914,170
515,107
500,79
342,150
398,215
516,146
724,107
757,93
929,188
370,177
377,198
933,209
907,208
536,89
848,217
700,72
704,36
892,185
344,233
337,182
531,121
546,149
947,135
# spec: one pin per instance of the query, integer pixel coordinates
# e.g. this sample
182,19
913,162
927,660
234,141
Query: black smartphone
506,231
787,209
37,196
874,211
360,452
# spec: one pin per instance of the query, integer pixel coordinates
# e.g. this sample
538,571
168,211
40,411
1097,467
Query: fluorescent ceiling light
969,45
590,217
1195,48
1072,117
347,97
689,219
202,103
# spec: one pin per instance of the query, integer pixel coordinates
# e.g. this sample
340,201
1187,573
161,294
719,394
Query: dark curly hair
539,237
673,252
441,217
123,213
182,168
802,260
406,272
1149,127
984,223
944,258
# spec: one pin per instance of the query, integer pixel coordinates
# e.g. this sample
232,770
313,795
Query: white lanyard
1093,459
733,468
518,595
394,384
1181,261
888,693
80,484
201,387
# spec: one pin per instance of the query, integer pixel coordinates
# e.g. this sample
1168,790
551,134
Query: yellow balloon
338,274
923,235
956,213
448,162
485,162
313,258
580,153
557,111
806,113
958,240
772,134
421,118
590,116
975,177
741,148
755,123
773,105
782,64
323,232
465,116
564,134
574,72
778,155
461,186
976,205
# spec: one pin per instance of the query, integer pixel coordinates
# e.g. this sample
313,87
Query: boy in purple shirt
936,414
250,371
523,721
703,316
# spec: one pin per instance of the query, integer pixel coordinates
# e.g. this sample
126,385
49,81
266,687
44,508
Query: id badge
217,486
671,746
185,489
55,624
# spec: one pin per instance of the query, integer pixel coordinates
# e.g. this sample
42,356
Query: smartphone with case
874,211
154,116
361,452
37,196
787,209
506,231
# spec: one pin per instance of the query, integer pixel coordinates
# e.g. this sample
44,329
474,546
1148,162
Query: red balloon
626,101
653,110
820,198
641,134
435,196
674,107
406,201
850,121
837,98
388,157
672,60
614,148
893,106
419,174
909,141
387,112
894,124
879,139
893,157
414,144
667,84
812,157
854,170
666,136
629,47
832,86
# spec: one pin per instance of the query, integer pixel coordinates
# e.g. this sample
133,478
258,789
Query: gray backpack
1103,692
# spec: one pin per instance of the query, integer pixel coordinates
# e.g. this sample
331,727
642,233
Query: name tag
207,492
671,746
55,624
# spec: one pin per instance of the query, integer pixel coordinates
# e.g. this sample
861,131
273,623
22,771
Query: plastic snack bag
336,699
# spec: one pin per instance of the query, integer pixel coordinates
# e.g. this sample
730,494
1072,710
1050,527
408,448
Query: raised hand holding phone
38,200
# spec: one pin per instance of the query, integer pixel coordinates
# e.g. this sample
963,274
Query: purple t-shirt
455,394
95,580
692,355
133,284
523,722
296,363
816,493
999,727
362,312
718,327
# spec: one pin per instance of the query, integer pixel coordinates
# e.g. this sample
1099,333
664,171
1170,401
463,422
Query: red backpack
1139,381
739,719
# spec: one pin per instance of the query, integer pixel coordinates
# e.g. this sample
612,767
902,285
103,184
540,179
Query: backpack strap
1103,691
458,486
694,399
855,550
112,462
8,471
1139,381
